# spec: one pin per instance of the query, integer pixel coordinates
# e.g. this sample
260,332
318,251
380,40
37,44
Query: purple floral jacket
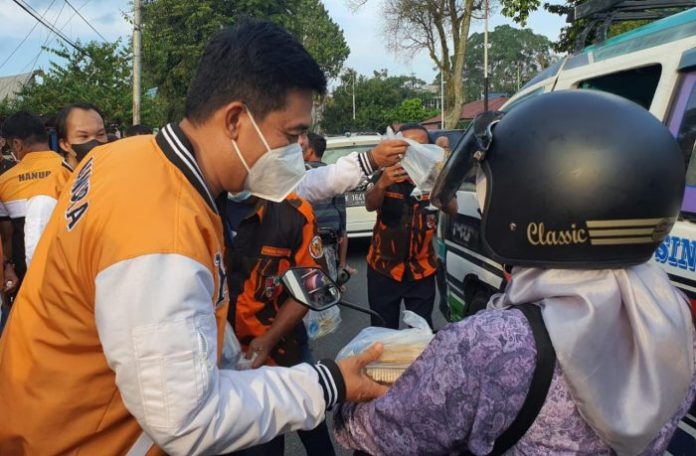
465,390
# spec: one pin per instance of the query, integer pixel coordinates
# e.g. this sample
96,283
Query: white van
655,66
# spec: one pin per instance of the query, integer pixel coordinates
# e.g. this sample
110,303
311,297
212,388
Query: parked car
359,221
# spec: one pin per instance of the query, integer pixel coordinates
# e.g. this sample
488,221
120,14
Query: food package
319,324
401,347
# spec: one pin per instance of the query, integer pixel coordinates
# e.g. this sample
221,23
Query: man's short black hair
26,126
317,143
138,129
414,126
256,62
62,118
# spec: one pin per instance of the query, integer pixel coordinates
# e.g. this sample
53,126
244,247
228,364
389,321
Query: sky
362,30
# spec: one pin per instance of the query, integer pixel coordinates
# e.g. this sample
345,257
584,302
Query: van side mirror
312,287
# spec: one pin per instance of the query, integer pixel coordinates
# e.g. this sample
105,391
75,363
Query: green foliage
380,101
411,110
101,76
514,57
175,33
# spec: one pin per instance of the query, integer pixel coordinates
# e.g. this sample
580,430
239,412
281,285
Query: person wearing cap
114,343
590,349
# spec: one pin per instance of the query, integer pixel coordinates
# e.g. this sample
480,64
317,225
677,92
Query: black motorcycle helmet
577,179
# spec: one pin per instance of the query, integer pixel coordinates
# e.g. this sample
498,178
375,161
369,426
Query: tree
441,28
175,33
514,57
101,75
380,100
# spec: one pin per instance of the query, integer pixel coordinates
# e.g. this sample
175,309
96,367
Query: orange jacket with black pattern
271,239
402,246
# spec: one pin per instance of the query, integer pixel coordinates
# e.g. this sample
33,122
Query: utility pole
353,94
137,37
485,61
442,100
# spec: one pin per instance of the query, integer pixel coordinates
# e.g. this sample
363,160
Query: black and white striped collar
179,150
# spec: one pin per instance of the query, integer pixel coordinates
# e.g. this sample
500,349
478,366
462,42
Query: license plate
355,199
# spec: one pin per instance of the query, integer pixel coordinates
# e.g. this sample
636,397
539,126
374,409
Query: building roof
470,110
10,85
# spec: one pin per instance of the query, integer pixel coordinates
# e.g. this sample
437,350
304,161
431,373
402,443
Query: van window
637,84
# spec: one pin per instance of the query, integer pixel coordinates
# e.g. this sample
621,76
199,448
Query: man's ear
64,145
233,114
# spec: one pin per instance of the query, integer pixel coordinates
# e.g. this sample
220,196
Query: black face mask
83,149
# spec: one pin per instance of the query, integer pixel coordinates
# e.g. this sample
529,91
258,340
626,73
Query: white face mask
276,173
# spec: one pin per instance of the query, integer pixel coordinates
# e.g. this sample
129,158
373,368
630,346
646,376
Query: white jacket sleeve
39,210
156,323
335,179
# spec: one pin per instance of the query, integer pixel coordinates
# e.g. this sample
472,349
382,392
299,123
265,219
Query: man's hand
359,387
261,347
388,152
393,175
10,279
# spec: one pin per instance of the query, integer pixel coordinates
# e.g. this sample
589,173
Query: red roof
470,110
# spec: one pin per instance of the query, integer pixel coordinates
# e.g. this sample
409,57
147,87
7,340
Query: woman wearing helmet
590,350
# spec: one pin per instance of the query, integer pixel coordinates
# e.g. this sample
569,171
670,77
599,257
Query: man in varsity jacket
113,345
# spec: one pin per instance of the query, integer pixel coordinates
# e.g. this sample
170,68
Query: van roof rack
600,14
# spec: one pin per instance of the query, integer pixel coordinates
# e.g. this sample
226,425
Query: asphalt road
351,324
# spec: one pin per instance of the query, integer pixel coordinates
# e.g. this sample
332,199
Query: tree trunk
455,79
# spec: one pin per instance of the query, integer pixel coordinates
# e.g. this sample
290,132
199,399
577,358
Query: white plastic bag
319,324
421,162
401,347
232,356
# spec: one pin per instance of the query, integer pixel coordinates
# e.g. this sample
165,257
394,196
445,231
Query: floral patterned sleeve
462,392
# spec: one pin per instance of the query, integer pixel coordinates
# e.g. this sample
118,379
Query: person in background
138,129
24,200
8,274
80,128
330,214
271,238
114,342
401,260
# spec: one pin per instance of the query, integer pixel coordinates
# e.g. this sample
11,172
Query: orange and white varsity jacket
113,341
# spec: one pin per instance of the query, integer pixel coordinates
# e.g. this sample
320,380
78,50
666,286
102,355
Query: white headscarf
624,340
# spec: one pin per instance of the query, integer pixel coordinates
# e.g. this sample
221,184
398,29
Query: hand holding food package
401,347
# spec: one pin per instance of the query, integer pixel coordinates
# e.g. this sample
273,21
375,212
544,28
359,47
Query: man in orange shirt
113,344
37,164
401,260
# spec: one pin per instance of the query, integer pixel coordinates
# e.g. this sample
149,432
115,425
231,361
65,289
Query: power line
48,37
31,11
25,38
86,21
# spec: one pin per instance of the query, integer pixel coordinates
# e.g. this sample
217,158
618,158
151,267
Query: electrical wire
86,21
48,37
33,13
25,38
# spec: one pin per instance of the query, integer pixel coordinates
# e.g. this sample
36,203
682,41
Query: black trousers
385,295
